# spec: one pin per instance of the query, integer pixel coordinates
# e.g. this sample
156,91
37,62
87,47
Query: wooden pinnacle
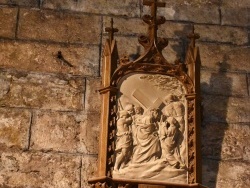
111,30
193,36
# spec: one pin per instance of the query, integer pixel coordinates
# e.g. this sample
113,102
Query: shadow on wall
214,122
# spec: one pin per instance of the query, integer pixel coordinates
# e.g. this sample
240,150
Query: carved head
130,109
138,110
170,98
155,113
122,114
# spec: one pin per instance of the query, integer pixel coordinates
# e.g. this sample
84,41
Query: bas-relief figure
151,129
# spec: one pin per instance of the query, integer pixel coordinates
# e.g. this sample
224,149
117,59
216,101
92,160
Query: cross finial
111,30
193,36
153,4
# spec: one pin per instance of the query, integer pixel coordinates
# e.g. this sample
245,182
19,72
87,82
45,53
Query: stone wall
50,107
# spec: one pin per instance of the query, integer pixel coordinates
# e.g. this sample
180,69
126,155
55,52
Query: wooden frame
151,62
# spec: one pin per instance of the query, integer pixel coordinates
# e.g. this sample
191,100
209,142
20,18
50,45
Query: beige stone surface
93,97
14,128
223,83
225,57
39,170
57,92
234,16
226,34
226,174
60,4
235,4
195,11
8,18
32,3
89,169
38,57
89,133
226,141
128,8
225,109
67,27
57,131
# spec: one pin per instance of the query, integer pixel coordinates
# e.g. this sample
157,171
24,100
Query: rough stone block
226,141
223,83
39,57
89,134
195,11
59,26
236,16
8,17
226,174
248,81
215,33
43,91
60,4
225,57
32,3
92,97
128,8
57,131
89,169
14,128
226,109
39,170
239,3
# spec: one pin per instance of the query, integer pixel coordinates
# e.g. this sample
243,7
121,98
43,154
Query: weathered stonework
56,131
14,128
232,35
57,92
89,168
8,22
226,174
223,83
226,109
125,8
92,97
195,11
39,57
39,170
240,19
67,27
89,133
225,141
225,57
29,3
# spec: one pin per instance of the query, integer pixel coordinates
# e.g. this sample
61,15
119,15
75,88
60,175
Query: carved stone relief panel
151,129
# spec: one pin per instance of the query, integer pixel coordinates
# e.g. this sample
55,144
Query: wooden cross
154,4
111,30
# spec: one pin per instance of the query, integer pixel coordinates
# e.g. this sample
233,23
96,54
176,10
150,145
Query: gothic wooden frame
153,62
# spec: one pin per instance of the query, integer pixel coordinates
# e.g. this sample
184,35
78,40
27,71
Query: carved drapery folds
150,114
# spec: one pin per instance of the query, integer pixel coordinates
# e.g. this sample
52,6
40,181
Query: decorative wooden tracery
151,65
